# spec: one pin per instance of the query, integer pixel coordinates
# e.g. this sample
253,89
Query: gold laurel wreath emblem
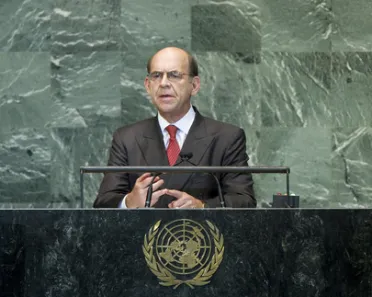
166,277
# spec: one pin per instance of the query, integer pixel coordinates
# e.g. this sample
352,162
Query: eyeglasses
173,76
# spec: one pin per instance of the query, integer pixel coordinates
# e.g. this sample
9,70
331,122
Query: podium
158,252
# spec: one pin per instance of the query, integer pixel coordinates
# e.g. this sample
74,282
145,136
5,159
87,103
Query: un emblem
183,252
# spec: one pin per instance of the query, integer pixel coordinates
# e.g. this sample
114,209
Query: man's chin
167,112
166,107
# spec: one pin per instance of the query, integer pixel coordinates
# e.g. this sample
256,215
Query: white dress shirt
183,127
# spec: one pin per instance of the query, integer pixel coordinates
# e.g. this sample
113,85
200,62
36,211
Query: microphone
185,157
149,190
154,175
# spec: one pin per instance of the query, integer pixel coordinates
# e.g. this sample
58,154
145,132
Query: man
171,81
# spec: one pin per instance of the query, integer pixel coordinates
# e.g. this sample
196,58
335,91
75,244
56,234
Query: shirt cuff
123,203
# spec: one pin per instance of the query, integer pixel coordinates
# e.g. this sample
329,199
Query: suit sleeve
114,186
237,188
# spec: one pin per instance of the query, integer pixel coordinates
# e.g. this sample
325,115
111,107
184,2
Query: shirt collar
184,124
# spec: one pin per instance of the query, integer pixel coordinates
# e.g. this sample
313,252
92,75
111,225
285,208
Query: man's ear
147,84
195,85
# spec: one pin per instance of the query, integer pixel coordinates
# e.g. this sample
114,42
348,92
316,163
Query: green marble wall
295,74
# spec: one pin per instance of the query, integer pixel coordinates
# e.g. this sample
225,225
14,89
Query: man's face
171,95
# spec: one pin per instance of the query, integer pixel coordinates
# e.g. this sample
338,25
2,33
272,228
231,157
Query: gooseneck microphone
150,190
185,157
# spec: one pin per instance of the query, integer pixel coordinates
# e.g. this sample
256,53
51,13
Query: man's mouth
166,96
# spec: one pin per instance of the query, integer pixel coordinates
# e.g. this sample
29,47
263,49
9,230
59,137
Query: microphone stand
220,195
149,191
186,157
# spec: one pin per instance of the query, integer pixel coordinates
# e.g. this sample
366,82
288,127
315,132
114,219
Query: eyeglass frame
174,79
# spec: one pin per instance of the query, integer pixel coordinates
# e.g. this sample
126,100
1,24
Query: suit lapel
197,142
151,144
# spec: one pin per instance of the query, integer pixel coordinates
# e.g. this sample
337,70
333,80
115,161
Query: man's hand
137,197
184,200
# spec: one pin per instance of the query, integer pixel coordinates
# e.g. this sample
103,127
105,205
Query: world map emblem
183,251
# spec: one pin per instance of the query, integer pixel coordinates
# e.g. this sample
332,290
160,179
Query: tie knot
172,130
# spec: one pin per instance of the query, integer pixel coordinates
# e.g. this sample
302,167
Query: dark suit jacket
212,143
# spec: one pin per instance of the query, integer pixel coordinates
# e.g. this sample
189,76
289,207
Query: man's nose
164,80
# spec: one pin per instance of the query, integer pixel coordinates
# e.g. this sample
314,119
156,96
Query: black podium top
253,252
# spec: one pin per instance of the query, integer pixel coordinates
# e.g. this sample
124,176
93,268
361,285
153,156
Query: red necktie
173,149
